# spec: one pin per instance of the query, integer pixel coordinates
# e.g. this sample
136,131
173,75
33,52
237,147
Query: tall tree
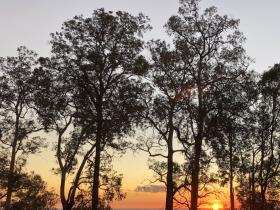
163,115
55,104
99,54
210,46
261,177
269,171
229,130
17,117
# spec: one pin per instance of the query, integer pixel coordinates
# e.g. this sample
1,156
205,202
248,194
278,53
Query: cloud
150,188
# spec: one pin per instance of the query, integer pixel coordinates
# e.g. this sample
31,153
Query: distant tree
18,122
210,47
99,55
32,194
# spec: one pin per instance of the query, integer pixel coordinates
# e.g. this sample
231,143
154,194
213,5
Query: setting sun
215,206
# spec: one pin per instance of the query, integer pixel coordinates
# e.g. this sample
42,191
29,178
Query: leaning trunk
95,187
75,185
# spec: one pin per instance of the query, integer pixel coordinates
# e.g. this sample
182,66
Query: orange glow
141,200
215,206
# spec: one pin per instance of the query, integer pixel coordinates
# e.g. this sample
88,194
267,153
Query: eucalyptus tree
264,162
230,131
163,114
210,47
57,111
258,183
32,194
269,168
99,55
18,122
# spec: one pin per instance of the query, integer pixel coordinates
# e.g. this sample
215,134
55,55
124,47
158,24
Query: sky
30,22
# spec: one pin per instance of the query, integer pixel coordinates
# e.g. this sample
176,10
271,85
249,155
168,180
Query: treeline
207,119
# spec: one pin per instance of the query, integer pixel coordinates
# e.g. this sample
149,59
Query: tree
110,186
98,55
163,114
269,170
259,185
210,47
17,117
55,104
230,130
32,194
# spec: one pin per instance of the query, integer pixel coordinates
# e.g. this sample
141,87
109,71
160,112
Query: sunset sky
30,22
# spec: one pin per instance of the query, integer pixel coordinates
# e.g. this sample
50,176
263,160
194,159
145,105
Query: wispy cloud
151,188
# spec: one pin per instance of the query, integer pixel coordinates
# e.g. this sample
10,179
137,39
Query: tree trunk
263,200
95,187
67,207
169,186
12,166
261,173
253,203
62,190
231,177
195,174
11,178
231,195
197,148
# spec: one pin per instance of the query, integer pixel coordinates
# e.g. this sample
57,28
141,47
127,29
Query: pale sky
29,22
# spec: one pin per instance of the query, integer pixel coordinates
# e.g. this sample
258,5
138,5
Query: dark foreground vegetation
194,98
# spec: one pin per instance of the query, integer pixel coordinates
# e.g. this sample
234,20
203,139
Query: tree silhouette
270,126
55,104
259,177
229,131
110,186
210,46
32,194
163,113
17,117
98,55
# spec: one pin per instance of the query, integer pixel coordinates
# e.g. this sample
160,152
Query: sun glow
215,206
